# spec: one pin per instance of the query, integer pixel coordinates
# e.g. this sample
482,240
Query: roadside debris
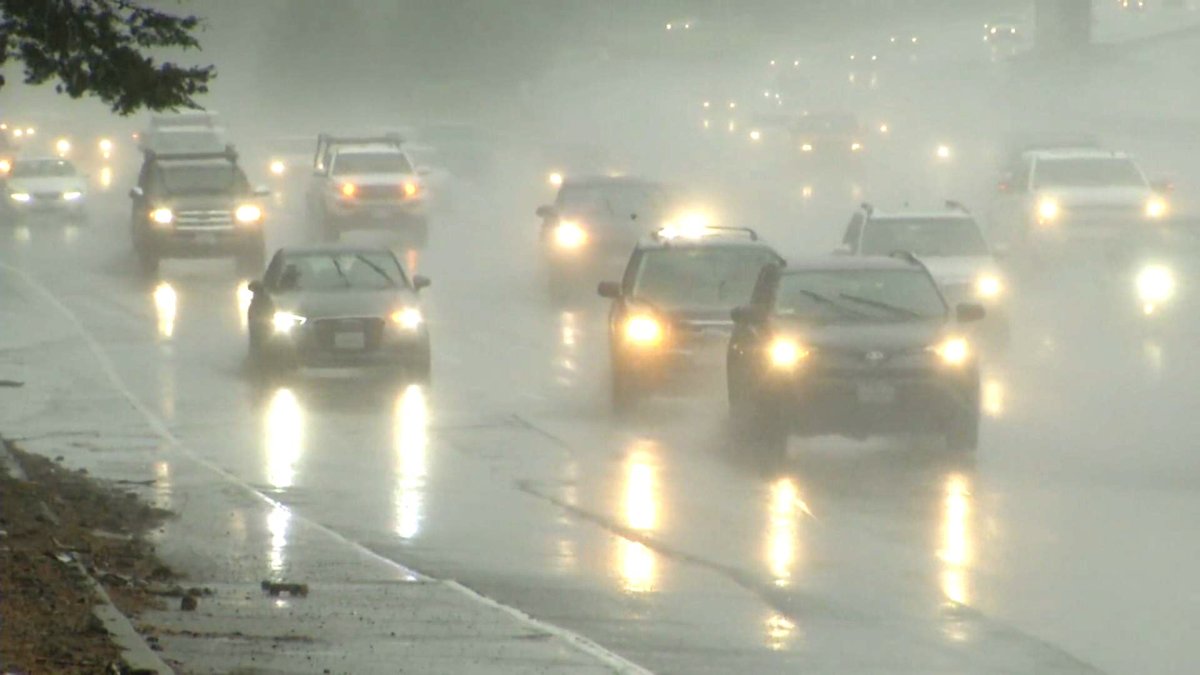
277,588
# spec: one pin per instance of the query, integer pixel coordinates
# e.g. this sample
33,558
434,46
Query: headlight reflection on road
568,348
955,552
783,543
781,631
993,398
410,441
637,562
284,438
279,521
166,305
106,177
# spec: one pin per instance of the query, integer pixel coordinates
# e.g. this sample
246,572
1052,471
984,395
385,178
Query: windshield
347,163
193,178
924,237
42,168
372,270
852,296
699,278
1090,172
607,202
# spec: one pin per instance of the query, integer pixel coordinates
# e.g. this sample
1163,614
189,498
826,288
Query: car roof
732,239
849,264
173,161
1077,153
948,215
334,249
366,149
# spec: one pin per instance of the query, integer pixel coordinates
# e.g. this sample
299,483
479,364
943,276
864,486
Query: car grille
1103,214
204,220
47,196
381,192
324,330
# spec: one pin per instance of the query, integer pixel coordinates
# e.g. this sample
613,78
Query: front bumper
350,342
376,214
202,242
48,204
677,366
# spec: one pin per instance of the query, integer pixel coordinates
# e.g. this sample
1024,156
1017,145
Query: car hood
47,184
865,337
1099,196
345,303
202,201
371,179
705,319
958,269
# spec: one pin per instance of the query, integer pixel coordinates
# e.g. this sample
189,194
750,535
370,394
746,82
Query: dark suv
851,346
670,314
196,205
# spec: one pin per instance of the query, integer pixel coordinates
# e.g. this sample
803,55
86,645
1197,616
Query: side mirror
1163,186
262,191
969,313
609,289
747,314
136,193
420,282
255,287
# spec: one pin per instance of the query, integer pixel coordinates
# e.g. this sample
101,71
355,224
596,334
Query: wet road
1062,545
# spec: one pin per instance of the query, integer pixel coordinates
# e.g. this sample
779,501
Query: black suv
670,314
851,346
196,205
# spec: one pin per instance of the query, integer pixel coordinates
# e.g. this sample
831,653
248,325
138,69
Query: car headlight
1155,284
277,167
1048,210
348,190
786,353
72,195
5,165
569,235
409,318
755,135
162,215
285,322
555,178
989,286
106,145
806,147
954,351
410,189
62,146
248,213
855,146
20,197
943,152
643,330
1156,207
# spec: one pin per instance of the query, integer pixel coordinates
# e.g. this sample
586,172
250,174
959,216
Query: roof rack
229,153
664,234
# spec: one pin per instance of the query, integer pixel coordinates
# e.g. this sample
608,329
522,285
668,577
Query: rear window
350,163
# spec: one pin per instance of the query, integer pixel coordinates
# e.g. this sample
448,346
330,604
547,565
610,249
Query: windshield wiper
337,266
830,302
375,267
903,311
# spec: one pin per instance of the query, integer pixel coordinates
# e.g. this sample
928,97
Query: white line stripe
609,659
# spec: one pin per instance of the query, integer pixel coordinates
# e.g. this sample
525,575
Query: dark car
670,314
834,136
332,306
594,222
196,205
851,346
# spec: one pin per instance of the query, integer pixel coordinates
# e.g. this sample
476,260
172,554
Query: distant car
948,242
1002,31
1053,197
587,233
851,346
670,314
828,136
366,183
196,205
45,185
335,306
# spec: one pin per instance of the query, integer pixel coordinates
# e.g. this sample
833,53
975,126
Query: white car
45,184
949,243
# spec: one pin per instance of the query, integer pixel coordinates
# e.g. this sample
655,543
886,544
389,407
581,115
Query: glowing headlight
284,322
62,146
409,318
855,146
1048,210
5,165
806,147
1156,207
644,331
248,213
410,189
943,151
72,195
953,351
348,190
162,215
786,353
556,179
569,235
20,197
277,167
988,286
106,146
756,135
1155,284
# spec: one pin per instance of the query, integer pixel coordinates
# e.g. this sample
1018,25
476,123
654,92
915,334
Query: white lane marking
585,645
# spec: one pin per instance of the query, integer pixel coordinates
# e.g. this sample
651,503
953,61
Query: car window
42,168
924,237
855,296
608,203
175,141
1087,172
349,163
699,277
370,270
203,178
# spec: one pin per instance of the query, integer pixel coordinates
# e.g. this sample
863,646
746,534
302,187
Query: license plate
206,239
356,340
876,393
